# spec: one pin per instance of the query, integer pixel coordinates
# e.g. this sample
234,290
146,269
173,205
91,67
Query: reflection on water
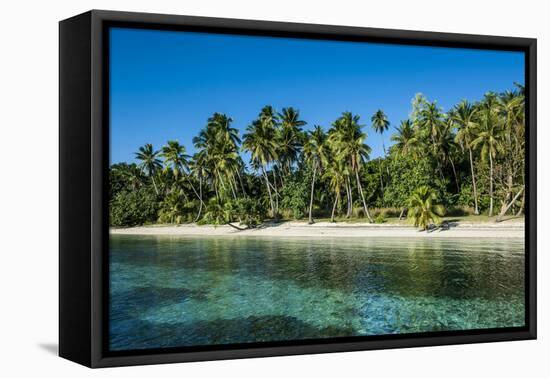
175,291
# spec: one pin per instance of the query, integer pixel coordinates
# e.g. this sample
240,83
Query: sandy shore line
326,229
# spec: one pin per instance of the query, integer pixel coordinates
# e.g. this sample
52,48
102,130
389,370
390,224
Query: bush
133,207
408,173
295,196
250,212
175,209
380,218
216,212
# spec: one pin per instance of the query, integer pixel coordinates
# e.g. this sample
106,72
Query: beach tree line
468,159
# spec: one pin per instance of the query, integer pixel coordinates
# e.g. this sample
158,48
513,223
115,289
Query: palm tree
289,137
405,139
430,124
447,148
260,142
269,117
216,213
175,158
512,112
316,154
150,164
487,139
463,116
431,120
380,124
422,208
199,169
348,139
221,125
337,179
218,143
130,172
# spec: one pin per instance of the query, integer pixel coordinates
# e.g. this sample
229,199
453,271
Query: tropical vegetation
466,160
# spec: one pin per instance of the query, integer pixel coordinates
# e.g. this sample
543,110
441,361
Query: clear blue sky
164,85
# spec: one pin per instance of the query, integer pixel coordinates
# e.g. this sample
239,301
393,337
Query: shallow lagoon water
170,291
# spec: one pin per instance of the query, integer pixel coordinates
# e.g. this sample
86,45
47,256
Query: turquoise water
188,291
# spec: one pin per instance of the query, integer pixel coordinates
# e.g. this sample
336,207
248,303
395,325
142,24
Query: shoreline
327,229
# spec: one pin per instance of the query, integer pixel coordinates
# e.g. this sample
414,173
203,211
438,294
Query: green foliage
470,156
124,176
370,177
133,207
423,208
217,213
465,196
408,173
295,193
380,218
248,211
175,209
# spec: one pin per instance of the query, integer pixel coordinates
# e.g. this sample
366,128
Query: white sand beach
508,229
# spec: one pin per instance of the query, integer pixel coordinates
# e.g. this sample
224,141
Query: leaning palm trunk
200,202
216,192
454,173
349,195
522,206
237,227
311,196
223,190
269,192
241,183
232,185
509,192
276,191
360,189
385,154
155,185
276,194
381,180
402,212
334,206
505,209
490,184
476,209
232,189
193,187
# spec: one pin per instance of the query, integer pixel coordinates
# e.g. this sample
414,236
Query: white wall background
29,186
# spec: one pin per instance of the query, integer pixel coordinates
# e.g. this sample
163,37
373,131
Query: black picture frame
84,159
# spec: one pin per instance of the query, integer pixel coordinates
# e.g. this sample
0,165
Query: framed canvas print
233,188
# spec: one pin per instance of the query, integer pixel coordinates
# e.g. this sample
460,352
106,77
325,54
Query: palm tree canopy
221,126
348,139
290,137
487,140
260,141
405,139
430,119
488,130
423,208
148,157
175,157
290,118
380,122
335,172
316,150
463,116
